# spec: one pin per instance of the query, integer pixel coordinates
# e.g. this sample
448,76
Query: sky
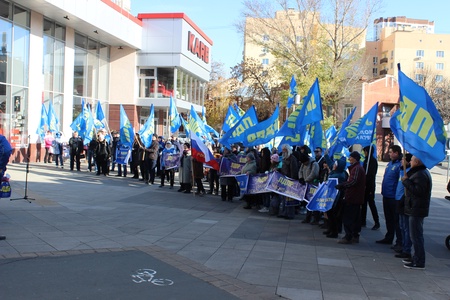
217,18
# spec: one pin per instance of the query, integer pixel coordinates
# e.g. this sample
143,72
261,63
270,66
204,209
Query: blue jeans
416,234
404,227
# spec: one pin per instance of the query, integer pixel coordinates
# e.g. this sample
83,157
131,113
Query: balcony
384,60
383,72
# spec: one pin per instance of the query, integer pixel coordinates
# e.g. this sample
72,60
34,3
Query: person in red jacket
353,199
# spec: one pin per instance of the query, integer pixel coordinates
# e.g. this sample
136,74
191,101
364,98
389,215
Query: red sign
197,47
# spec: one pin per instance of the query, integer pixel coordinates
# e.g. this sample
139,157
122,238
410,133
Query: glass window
147,83
420,53
419,77
21,16
5,10
165,77
266,38
80,41
375,60
146,72
92,46
439,53
91,69
439,78
21,48
347,110
79,78
419,65
265,61
60,32
48,28
375,71
5,61
439,66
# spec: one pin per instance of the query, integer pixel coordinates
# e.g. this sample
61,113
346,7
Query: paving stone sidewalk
247,254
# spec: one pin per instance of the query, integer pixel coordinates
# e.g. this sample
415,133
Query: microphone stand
25,197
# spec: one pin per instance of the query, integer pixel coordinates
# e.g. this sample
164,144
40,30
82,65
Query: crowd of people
406,195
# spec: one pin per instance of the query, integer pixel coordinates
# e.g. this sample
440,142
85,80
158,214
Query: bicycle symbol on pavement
148,275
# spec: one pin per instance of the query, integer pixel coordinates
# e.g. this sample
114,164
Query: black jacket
417,192
371,173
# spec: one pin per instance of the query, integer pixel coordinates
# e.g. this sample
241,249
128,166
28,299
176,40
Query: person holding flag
353,199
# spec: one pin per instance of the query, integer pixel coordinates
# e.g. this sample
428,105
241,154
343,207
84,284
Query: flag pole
403,142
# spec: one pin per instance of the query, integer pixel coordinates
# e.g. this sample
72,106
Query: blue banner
286,186
171,160
242,181
257,183
417,124
324,196
123,154
229,167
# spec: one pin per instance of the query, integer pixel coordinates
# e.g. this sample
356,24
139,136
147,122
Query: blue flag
330,133
417,124
196,124
148,129
236,134
185,125
336,145
262,132
292,92
126,130
362,131
294,130
43,121
231,118
78,123
53,123
174,117
311,111
99,115
239,110
316,136
90,127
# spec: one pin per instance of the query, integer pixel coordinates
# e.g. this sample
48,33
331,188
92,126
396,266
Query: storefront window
91,72
190,88
165,82
14,98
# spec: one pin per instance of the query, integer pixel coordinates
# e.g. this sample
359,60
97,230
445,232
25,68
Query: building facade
66,53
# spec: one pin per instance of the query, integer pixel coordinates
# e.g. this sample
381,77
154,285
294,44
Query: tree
312,38
217,96
256,84
438,87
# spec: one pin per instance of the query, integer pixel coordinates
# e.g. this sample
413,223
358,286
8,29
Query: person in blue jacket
5,153
388,190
